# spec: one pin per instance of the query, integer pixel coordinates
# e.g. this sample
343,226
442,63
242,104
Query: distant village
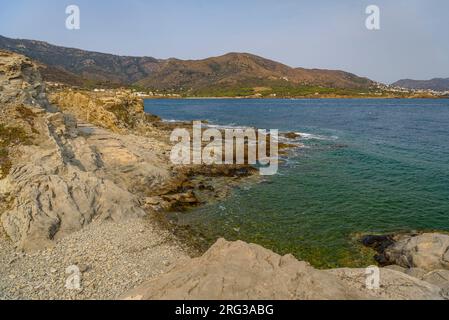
395,89
137,93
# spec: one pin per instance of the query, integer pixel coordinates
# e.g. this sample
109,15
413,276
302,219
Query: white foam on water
170,120
310,136
229,126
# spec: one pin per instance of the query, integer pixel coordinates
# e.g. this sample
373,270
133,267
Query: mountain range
232,72
437,84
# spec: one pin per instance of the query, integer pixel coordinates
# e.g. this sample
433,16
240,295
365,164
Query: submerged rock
291,135
379,243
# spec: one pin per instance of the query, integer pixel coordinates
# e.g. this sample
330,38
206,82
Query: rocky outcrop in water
427,251
424,256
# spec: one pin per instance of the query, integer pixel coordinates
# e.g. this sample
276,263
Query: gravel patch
108,258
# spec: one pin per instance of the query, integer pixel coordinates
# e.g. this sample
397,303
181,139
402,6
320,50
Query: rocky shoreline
86,181
86,161
239,271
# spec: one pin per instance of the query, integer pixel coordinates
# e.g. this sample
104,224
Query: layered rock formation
52,188
64,173
118,111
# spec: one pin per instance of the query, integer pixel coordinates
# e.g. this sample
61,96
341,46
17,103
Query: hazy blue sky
413,41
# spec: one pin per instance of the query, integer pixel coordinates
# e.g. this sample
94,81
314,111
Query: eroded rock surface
428,251
57,182
118,111
237,270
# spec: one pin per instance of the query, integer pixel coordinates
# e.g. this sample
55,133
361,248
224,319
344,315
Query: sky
413,40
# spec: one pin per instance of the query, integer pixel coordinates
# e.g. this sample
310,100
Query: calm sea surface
367,166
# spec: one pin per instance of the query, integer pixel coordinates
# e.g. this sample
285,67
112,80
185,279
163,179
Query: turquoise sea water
367,166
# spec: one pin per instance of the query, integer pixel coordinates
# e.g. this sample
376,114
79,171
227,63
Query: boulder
428,251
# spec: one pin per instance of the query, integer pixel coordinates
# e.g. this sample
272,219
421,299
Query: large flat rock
237,270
